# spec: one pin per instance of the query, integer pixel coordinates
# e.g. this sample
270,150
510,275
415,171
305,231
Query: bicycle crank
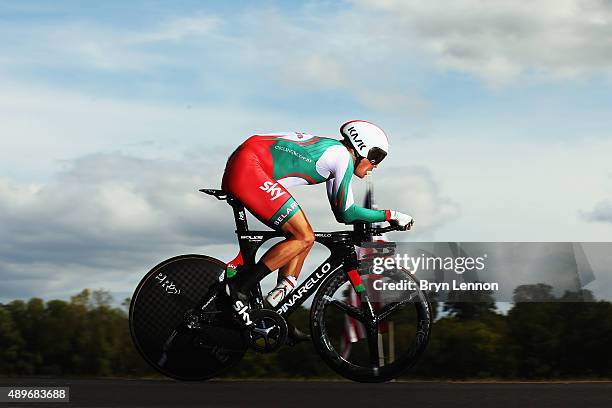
269,331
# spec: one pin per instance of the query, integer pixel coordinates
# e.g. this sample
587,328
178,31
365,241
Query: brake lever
408,226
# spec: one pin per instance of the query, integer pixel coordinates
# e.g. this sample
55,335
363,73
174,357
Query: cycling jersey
260,170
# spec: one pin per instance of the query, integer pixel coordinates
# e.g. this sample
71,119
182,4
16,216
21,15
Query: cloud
105,216
62,125
114,200
88,44
76,44
298,52
414,190
602,212
498,41
317,71
178,29
369,51
329,53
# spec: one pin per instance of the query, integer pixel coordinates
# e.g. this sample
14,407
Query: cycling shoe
240,304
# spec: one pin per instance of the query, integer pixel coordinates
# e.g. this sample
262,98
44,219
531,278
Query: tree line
561,338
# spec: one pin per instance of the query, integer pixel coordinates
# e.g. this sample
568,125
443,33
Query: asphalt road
320,394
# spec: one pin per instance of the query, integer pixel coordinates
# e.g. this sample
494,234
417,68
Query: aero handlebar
381,230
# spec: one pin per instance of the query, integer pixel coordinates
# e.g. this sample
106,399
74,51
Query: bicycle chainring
269,331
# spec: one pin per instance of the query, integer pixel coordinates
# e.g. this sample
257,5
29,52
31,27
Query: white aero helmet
367,139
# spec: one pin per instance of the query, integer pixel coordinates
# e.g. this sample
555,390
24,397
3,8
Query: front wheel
375,335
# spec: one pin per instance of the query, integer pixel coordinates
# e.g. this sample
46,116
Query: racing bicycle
183,325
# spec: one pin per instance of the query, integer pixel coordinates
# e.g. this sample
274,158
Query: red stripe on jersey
308,142
340,198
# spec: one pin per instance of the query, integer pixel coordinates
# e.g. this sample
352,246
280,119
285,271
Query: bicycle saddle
219,194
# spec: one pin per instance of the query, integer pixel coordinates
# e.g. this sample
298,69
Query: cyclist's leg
289,254
301,238
298,243
293,267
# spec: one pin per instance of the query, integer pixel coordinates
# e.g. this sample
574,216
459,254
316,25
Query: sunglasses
376,155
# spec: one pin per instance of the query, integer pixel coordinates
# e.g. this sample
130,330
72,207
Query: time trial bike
183,325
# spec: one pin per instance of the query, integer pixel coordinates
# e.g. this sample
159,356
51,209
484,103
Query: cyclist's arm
340,194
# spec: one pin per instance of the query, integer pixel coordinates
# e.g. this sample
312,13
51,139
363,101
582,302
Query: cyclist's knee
305,236
300,230
308,239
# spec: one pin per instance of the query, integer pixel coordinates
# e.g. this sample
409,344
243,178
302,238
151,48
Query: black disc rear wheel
168,329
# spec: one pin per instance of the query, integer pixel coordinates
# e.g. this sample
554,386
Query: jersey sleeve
340,193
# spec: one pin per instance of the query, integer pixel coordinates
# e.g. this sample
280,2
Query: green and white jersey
300,158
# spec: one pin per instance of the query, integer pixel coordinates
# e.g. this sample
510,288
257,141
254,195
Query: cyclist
258,174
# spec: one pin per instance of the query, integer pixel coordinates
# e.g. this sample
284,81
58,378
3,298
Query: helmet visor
376,155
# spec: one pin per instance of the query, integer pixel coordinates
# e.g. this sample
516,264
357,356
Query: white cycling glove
403,220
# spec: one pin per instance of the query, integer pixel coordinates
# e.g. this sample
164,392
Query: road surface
320,394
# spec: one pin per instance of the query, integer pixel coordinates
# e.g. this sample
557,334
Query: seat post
239,215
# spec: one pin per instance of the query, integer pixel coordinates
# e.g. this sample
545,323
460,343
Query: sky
112,115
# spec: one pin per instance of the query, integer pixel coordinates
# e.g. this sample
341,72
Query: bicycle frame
183,338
